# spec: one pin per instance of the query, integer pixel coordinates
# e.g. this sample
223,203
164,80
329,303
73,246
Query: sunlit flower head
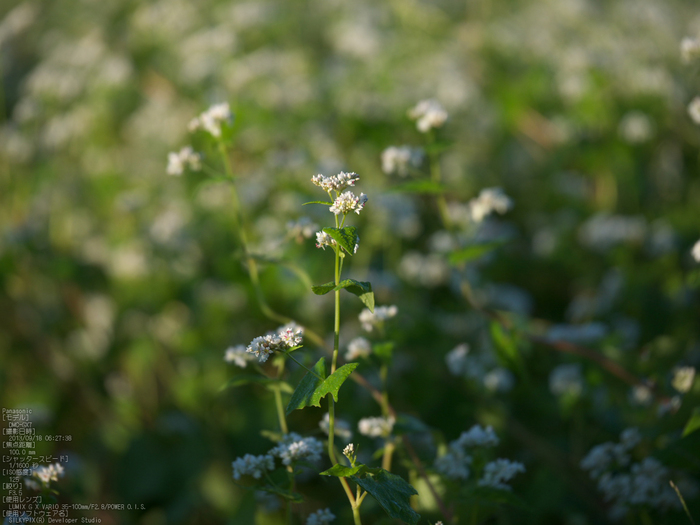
184,159
335,183
212,119
358,347
690,49
347,202
370,320
695,252
428,114
488,201
694,110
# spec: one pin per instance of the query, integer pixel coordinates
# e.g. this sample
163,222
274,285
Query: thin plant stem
436,176
301,365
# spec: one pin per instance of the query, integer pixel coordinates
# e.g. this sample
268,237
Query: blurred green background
121,287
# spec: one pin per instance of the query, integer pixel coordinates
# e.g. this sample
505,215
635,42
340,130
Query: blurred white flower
301,229
694,110
695,252
250,465
636,127
683,377
478,436
185,158
488,201
690,49
428,114
668,406
381,313
499,380
455,463
358,347
566,380
293,448
320,517
399,159
211,120
456,360
376,426
49,473
341,427
238,356
498,472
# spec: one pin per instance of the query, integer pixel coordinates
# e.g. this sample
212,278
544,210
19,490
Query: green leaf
693,423
424,187
346,237
473,251
312,389
506,346
362,289
341,471
393,493
438,147
318,202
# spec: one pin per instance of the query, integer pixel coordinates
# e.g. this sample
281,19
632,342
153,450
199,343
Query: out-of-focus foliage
121,287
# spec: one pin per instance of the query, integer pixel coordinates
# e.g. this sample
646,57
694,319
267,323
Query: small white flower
185,158
48,473
323,240
250,465
488,201
398,160
341,427
238,356
212,119
477,436
320,517
694,110
264,346
376,426
293,448
456,360
695,252
497,472
291,334
349,451
566,380
347,202
428,114
690,49
302,229
358,347
381,313
335,183
683,377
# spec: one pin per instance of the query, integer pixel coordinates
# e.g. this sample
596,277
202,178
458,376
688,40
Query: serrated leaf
422,187
392,492
473,251
341,471
312,389
361,289
693,423
346,237
318,202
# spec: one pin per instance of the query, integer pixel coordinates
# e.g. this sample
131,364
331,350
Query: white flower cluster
341,427
320,517
358,347
399,159
238,355
347,202
293,448
428,114
695,252
455,464
349,452
250,465
683,377
690,49
476,368
335,183
183,159
264,346
212,119
627,484
48,474
488,201
376,426
497,472
381,313
566,380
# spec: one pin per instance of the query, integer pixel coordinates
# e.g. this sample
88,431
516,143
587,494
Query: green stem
436,176
301,365
356,515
